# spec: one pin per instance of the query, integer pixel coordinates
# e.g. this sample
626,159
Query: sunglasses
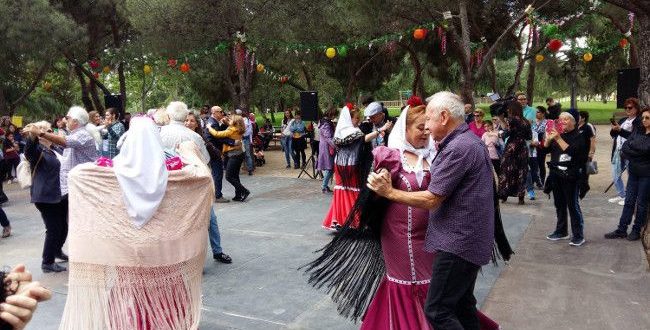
645,118
629,108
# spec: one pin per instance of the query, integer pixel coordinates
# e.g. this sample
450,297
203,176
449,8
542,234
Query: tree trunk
85,98
4,105
532,66
530,83
643,41
308,79
467,77
493,77
97,102
120,66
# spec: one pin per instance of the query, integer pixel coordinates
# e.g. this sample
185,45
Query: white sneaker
616,199
621,202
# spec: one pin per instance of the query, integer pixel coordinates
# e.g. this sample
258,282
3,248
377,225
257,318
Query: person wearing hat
379,124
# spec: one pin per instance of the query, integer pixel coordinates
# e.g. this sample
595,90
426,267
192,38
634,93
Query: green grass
599,113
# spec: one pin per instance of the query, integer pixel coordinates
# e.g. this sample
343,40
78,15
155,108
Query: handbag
24,173
592,167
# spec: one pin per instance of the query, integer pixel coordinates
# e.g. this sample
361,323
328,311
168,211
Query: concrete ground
269,237
548,285
603,284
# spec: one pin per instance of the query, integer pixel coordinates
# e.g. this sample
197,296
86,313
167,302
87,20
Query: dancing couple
412,261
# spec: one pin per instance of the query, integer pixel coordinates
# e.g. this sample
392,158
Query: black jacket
46,186
636,125
636,149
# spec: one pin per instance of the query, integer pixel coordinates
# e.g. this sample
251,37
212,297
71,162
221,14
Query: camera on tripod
500,105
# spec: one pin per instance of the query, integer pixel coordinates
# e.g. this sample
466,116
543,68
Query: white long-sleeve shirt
175,133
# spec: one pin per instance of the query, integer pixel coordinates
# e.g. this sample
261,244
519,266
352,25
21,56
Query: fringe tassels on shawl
352,266
126,298
502,249
645,238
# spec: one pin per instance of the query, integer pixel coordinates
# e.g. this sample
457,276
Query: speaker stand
315,173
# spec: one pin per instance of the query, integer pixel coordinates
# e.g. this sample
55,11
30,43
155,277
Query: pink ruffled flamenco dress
399,300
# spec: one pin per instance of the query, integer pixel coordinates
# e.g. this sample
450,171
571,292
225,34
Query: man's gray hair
79,114
447,100
177,111
568,115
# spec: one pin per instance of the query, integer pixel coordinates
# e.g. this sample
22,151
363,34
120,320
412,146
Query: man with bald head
216,164
461,179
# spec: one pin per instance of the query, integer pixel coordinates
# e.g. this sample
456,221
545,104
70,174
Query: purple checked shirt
464,223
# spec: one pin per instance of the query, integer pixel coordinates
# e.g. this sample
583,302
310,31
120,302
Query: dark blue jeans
233,164
636,194
216,165
565,197
4,222
450,300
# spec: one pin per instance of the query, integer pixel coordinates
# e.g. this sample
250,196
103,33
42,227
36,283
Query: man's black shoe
53,267
616,234
244,196
62,256
634,236
222,257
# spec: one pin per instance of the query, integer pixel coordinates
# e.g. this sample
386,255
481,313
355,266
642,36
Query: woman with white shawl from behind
137,242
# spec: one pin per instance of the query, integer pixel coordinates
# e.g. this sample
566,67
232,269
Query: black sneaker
53,267
556,237
616,234
577,241
634,236
244,196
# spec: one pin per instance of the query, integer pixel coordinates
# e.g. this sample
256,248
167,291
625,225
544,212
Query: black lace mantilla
348,139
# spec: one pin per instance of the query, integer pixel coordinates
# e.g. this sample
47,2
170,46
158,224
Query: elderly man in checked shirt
461,178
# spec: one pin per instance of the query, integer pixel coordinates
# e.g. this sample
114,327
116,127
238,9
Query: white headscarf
140,170
344,126
397,140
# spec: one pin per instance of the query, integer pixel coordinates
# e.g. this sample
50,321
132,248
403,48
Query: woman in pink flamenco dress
398,261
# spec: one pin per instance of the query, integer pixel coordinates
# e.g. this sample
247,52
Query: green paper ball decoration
343,51
550,30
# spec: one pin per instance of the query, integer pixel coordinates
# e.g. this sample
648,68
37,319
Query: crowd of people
403,198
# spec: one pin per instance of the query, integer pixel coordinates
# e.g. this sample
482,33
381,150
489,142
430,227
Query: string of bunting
245,46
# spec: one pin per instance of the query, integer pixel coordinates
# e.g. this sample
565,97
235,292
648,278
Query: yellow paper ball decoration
539,58
260,68
330,52
146,69
587,57
106,69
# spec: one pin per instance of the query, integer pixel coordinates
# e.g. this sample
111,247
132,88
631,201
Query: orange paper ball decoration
185,67
106,69
623,43
419,34
539,58
47,86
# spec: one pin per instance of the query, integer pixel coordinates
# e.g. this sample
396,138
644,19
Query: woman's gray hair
43,124
177,111
568,115
79,114
447,100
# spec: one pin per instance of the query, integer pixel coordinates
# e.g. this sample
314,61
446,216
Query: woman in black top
514,163
569,152
637,151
